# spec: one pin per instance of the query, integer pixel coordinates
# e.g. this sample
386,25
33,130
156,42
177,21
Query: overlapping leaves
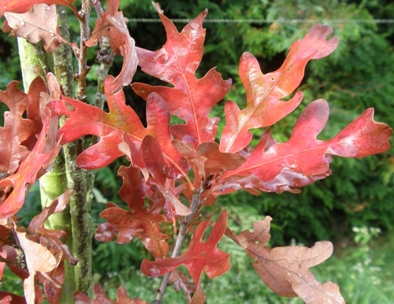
166,161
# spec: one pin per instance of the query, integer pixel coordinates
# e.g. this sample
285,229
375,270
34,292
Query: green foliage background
358,75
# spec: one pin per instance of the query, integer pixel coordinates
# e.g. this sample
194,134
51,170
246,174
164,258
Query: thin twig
194,207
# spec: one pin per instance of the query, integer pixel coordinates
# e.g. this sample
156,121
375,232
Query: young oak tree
175,169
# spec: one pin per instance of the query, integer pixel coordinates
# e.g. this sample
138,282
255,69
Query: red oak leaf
199,257
15,186
15,6
121,124
16,129
264,107
112,24
191,99
141,222
207,161
158,121
102,298
285,269
86,119
38,25
303,158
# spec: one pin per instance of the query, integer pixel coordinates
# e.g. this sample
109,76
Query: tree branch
184,225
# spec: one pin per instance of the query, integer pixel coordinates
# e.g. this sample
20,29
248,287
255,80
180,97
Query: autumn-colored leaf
158,121
112,24
303,158
102,298
140,221
285,269
10,298
190,99
52,238
38,259
264,107
200,256
15,131
38,25
207,161
16,6
86,119
15,186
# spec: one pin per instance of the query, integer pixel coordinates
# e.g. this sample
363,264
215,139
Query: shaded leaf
285,269
112,24
141,221
181,282
15,186
191,99
15,131
200,256
158,121
52,238
263,92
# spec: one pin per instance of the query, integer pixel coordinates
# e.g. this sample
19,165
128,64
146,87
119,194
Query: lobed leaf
16,129
112,24
190,99
14,187
199,256
140,221
263,92
38,25
86,119
285,269
303,158
158,120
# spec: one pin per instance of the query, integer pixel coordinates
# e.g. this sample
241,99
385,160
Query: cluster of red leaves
168,162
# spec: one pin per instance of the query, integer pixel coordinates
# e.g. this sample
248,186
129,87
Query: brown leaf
38,259
285,269
38,25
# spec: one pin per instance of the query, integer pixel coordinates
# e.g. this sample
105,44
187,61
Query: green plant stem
180,239
62,58
34,62
80,201
53,184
